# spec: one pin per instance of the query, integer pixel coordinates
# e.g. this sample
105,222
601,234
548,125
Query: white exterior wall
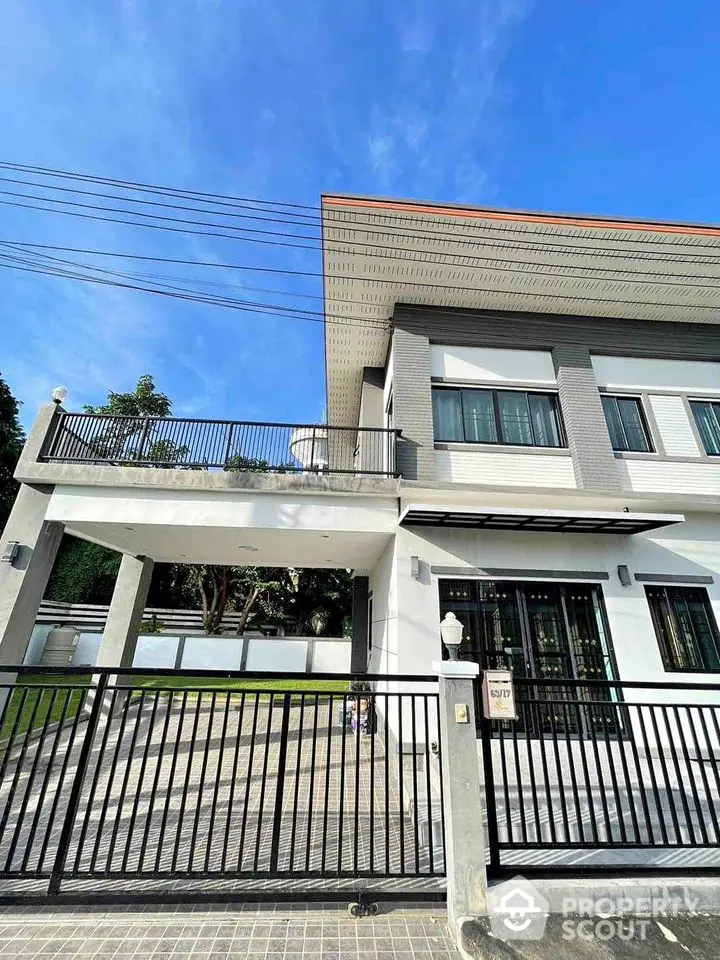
674,426
481,465
688,549
638,373
490,365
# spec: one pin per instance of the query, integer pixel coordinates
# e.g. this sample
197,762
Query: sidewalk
263,932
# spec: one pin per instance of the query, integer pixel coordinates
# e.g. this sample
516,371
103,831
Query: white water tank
309,445
59,647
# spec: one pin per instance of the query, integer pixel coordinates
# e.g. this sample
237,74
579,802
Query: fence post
462,794
280,783
76,789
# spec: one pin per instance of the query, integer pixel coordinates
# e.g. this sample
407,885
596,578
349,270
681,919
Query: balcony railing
228,445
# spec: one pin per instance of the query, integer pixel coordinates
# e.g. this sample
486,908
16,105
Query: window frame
644,423
670,663
552,395
714,403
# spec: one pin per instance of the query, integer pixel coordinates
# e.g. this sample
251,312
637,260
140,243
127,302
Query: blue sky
598,106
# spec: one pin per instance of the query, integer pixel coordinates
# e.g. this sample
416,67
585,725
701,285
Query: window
626,424
707,418
497,416
685,628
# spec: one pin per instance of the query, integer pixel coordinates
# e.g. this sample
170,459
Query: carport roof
541,520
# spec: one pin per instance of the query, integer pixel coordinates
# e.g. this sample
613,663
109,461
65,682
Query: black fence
216,782
625,775
222,444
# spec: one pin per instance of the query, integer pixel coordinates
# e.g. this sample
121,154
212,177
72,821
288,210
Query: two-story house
523,428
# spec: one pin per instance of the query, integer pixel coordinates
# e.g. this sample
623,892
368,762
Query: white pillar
127,606
23,581
462,795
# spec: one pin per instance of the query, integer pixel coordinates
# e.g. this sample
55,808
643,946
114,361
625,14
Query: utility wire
373,321
368,254
374,229
16,263
322,213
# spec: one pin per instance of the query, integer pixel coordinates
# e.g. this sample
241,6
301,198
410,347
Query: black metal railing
628,774
228,445
206,776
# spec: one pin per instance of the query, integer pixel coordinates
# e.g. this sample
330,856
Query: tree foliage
84,572
12,439
143,401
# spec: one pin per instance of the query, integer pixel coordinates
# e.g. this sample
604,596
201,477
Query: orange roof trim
474,214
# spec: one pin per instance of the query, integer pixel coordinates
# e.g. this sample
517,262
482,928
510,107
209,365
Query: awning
547,521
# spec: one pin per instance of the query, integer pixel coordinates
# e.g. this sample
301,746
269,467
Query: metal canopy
546,521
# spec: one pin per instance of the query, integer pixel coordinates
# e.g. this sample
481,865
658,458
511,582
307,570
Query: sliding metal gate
604,777
186,785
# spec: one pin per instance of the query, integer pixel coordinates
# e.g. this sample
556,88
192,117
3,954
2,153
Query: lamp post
59,395
451,631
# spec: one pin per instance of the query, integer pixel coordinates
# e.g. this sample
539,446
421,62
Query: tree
240,589
322,602
134,437
143,401
12,439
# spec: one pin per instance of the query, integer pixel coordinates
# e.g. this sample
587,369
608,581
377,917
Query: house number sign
498,695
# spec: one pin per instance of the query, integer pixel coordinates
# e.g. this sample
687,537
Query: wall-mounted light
9,554
415,567
624,575
59,395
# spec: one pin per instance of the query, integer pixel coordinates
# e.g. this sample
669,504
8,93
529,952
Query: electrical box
498,695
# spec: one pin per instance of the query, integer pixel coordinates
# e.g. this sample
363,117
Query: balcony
221,445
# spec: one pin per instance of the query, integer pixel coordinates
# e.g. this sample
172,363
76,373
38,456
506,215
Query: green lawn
34,705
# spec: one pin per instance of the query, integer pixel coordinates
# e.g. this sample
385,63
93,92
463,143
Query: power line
370,321
272,206
368,254
284,235
15,263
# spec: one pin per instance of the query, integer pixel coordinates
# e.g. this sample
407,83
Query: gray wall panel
587,435
412,405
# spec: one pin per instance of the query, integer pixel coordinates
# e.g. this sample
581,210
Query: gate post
463,800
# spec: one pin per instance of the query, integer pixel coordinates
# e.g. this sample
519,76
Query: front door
551,631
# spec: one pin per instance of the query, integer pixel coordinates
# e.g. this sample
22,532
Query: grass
238,684
34,705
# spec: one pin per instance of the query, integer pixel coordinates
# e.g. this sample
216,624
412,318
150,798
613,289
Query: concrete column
39,441
462,793
126,612
23,582
359,648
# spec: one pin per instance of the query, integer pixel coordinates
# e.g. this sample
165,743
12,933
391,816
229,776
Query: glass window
497,416
514,416
685,628
447,415
707,418
544,417
626,424
478,416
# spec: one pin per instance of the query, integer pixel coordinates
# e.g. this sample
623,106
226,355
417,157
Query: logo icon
517,909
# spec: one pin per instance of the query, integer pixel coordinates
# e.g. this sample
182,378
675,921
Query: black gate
598,777
209,785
